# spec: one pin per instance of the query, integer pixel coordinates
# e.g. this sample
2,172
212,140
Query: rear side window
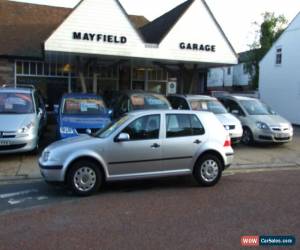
178,103
179,125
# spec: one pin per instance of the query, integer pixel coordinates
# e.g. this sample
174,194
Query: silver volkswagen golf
141,144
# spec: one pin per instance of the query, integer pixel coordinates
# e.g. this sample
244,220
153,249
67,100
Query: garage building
98,47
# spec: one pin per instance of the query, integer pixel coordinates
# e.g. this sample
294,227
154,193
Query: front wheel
84,178
247,137
208,170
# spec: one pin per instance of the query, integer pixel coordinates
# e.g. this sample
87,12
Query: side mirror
122,137
110,112
40,112
56,108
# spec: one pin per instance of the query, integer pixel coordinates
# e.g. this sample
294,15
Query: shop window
40,69
278,56
46,69
26,68
19,68
32,68
53,69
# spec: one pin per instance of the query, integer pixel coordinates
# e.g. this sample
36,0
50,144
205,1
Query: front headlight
45,156
26,128
67,130
227,127
262,125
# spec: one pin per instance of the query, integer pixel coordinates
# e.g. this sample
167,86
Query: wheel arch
210,152
85,158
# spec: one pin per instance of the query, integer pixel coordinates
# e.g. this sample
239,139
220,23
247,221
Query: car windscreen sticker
137,100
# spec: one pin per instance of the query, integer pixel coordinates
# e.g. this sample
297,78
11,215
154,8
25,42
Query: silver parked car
211,104
22,119
260,122
141,144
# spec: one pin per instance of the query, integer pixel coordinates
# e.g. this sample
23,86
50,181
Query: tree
267,33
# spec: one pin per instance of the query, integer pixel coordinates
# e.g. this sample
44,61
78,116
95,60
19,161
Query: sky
236,17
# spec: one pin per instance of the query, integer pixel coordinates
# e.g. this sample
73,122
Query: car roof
14,90
238,97
166,111
81,95
196,97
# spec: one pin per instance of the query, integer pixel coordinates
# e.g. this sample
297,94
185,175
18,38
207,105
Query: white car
211,104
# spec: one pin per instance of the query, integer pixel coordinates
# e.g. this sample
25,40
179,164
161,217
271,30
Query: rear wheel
208,170
247,137
85,178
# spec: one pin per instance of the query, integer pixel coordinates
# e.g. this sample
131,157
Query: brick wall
6,71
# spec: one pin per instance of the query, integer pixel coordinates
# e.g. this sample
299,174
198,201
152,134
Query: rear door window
179,125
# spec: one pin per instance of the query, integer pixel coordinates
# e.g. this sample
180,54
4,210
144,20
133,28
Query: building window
229,71
278,56
245,70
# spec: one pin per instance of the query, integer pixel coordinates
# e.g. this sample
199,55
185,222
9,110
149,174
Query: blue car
81,114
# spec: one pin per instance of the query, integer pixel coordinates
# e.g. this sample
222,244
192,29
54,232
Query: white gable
96,27
197,26
101,27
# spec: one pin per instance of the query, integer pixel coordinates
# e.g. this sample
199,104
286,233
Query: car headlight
67,130
227,127
26,128
262,125
45,156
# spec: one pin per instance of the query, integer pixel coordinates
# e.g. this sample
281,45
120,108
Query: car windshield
16,103
208,105
142,101
255,107
83,106
111,128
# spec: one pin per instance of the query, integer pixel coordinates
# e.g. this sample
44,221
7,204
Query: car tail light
227,142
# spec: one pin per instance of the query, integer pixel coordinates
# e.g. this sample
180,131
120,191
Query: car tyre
84,178
208,170
247,137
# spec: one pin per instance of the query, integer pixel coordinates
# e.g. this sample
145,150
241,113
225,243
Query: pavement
25,166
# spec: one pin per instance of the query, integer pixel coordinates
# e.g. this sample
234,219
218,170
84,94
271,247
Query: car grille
7,134
84,130
278,129
12,147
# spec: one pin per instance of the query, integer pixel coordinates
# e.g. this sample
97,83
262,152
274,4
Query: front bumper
274,137
51,171
18,144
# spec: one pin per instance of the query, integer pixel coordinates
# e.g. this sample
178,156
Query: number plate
4,143
282,135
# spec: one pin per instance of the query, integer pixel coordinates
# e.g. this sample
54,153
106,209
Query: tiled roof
138,21
156,30
24,27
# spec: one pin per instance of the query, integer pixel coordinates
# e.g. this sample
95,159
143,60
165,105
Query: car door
184,135
141,154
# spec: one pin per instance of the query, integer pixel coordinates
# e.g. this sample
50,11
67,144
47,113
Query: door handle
155,145
197,141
